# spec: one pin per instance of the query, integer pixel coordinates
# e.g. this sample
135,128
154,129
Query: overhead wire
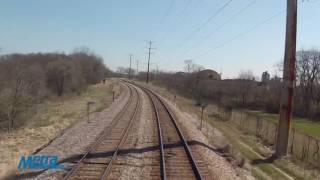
220,26
257,25
244,33
207,21
165,16
179,21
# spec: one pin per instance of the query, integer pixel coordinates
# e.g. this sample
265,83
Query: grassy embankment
50,119
302,124
247,145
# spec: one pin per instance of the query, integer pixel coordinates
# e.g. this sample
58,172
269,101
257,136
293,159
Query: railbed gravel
219,167
80,136
142,165
139,164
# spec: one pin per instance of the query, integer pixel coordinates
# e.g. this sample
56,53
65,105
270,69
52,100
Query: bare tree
21,86
308,69
246,78
27,79
191,67
59,74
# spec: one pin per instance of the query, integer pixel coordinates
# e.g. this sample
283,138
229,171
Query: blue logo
39,162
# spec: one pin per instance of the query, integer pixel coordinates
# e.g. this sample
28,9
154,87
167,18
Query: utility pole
288,82
157,72
137,66
150,45
130,67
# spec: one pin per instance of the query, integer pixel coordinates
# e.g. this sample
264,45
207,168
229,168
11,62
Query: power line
165,16
149,54
249,30
180,20
208,20
221,26
167,12
244,33
137,66
130,66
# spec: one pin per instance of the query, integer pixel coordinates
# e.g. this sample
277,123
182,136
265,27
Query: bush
27,79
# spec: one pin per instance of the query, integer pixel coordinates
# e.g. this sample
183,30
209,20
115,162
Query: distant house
209,74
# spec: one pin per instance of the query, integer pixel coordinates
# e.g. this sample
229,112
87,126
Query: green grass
265,170
301,124
248,149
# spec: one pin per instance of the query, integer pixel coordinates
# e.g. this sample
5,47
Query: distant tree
124,71
191,67
27,79
21,85
308,71
245,78
59,74
91,66
265,77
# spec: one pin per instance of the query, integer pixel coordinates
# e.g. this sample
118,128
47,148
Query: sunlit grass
247,145
301,124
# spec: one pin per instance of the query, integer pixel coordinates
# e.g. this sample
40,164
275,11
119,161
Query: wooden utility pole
157,72
288,82
150,45
137,67
130,67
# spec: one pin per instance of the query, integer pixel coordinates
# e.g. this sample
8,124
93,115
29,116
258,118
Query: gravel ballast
77,139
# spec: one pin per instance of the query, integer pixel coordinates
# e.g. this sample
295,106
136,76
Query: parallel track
96,163
176,160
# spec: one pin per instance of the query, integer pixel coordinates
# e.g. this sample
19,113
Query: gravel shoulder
204,142
76,139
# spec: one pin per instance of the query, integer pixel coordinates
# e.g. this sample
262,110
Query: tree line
245,91
29,79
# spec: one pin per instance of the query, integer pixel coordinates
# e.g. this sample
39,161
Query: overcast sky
225,35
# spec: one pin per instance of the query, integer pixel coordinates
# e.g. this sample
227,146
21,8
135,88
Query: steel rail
162,159
192,161
101,137
123,138
184,142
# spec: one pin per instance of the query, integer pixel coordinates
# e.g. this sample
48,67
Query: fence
302,147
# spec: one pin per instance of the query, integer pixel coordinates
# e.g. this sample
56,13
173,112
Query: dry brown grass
51,119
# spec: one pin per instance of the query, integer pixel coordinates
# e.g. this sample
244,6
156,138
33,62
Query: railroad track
176,159
97,162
